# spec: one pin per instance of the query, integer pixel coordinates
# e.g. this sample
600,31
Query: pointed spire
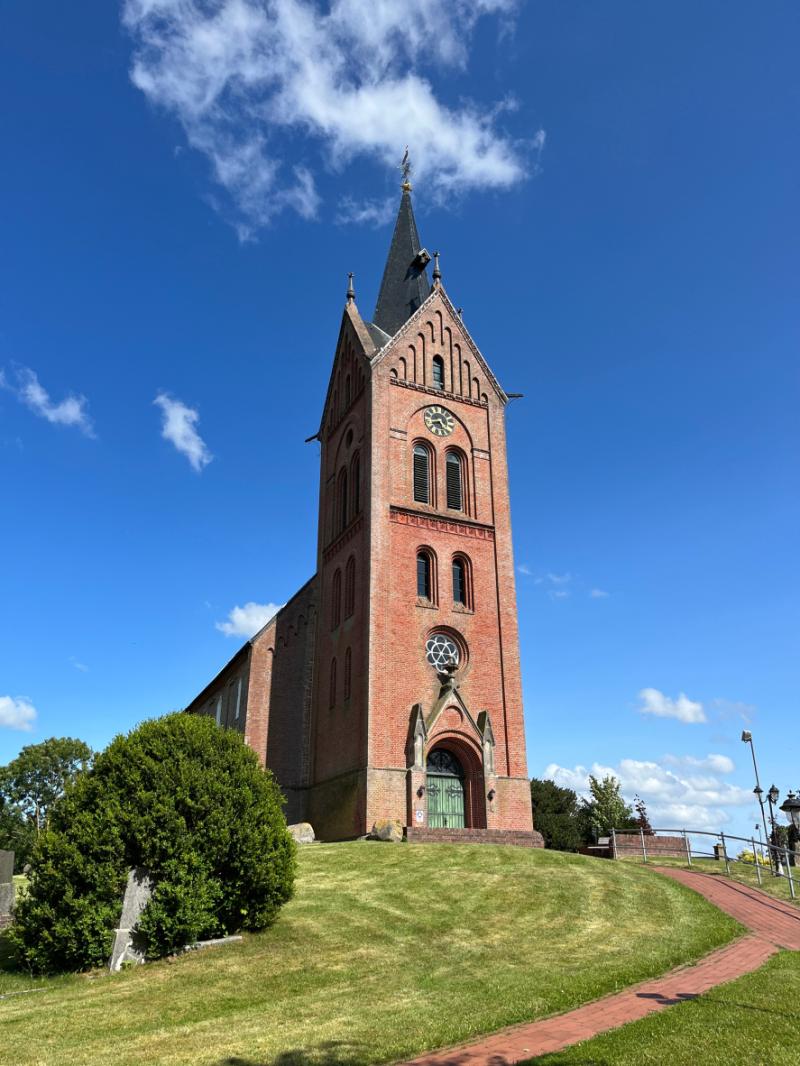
437,274
351,292
405,284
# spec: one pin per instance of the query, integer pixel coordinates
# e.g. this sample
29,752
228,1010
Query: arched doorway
445,786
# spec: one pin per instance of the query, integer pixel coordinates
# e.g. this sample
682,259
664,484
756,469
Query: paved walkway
772,923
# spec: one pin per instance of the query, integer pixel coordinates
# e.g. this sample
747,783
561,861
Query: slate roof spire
405,283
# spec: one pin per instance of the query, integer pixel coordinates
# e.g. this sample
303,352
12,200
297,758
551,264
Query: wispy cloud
17,713
71,411
342,80
366,212
683,709
674,800
524,569
246,621
727,709
81,667
598,594
178,427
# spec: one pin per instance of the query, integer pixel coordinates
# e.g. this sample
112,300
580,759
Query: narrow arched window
426,575
455,488
348,666
355,485
347,394
422,474
342,501
336,600
462,581
332,692
350,587
438,372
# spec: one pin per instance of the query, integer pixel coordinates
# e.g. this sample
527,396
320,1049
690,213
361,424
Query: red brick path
773,925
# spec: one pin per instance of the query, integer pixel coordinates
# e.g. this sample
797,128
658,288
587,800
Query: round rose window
441,650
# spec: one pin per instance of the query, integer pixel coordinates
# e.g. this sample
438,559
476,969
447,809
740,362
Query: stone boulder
303,832
387,829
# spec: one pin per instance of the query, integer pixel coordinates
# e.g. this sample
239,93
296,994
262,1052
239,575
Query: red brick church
389,685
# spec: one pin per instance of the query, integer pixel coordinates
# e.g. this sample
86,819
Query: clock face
439,421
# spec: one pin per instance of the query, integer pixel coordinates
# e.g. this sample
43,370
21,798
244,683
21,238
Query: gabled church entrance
445,787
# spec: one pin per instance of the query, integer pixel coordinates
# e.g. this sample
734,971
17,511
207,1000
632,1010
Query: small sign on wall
419,815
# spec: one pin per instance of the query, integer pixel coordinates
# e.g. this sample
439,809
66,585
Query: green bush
189,803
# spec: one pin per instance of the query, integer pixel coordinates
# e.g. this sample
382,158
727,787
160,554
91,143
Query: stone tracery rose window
440,650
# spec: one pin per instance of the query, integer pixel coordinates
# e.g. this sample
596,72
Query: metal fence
768,860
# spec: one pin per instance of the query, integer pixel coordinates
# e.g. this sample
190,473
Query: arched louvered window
350,587
355,485
332,693
336,599
462,581
422,474
426,575
341,503
454,467
438,372
348,667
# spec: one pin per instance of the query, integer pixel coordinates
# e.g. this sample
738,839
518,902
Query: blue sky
613,189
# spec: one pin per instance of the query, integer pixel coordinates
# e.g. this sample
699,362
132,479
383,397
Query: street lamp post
747,738
791,808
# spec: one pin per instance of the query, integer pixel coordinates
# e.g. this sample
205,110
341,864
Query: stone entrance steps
523,839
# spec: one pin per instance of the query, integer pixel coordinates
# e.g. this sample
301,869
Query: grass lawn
386,951
754,1021
745,873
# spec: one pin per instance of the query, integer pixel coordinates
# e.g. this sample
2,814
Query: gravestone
302,832
6,887
138,891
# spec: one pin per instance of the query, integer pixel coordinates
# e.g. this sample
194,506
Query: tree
607,810
190,804
40,774
557,815
16,833
642,821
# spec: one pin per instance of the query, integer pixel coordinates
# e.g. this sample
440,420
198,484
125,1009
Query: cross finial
405,170
351,292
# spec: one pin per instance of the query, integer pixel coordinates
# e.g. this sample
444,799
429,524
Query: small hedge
189,803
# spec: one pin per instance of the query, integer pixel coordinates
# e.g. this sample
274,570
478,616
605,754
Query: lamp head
791,808
746,736
773,795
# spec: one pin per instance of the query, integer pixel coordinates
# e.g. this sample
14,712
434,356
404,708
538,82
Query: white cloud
683,709
342,80
246,621
179,428
674,800
71,411
17,713
599,594
370,212
559,579
523,568
727,709
718,764
82,667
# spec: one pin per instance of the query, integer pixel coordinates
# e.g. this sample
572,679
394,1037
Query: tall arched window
336,599
438,372
355,484
348,666
332,693
422,474
347,388
462,581
350,587
426,575
455,481
341,503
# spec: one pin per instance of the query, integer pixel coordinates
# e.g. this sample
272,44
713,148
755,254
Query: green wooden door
445,786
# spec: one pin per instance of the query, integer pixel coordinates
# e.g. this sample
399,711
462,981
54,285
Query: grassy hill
387,950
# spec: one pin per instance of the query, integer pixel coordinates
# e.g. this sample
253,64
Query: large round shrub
189,803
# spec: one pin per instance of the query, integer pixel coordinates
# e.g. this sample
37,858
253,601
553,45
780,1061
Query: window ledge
427,604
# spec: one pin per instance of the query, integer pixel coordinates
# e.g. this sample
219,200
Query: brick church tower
389,686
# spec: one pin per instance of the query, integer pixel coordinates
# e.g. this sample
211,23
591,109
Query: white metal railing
774,861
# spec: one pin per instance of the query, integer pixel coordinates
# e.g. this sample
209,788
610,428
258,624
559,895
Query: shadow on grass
332,1053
